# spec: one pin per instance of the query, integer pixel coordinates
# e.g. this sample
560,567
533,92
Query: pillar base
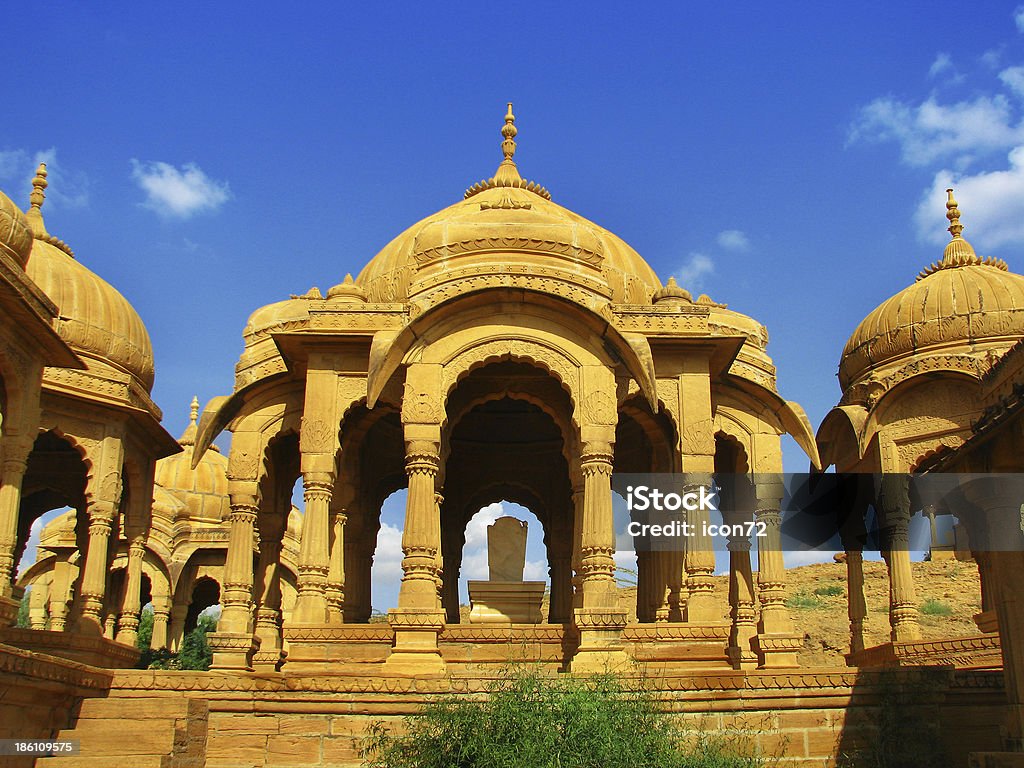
601,648
777,651
415,651
8,611
742,658
232,651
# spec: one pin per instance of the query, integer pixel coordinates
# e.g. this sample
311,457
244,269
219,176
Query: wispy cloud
733,240
691,273
67,189
975,146
179,193
943,63
992,203
930,131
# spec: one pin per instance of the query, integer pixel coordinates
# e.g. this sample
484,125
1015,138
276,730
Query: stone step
162,707
84,761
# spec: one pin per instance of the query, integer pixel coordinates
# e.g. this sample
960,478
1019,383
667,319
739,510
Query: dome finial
36,199
188,437
953,214
193,410
508,145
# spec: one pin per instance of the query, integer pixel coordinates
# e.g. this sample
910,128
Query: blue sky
786,158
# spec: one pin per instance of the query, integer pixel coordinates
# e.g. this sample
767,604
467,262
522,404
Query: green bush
933,607
529,719
195,652
804,602
833,590
22,620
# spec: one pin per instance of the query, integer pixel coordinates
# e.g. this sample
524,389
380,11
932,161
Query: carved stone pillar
161,612
419,619
314,552
699,559
15,461
233,643
93,590
37,600
598,619
128,624
857,608
336,575
777,644
178,614
268,611
895,505
577,543
741,602
560,571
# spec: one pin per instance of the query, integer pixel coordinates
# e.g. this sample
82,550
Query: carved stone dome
508,226
954,306
94,318
15,235
203,490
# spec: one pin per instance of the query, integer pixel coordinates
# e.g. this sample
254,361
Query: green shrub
804,601
529,719
22,620
833,590
933,607
195,652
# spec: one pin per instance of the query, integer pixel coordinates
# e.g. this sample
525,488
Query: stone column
93,589
12,471
577,534
233,643
598,619
37,601
857,608
161,612
777,644
699,559
336,576
741,602
419,618
895,506
560,569
128,624
268,611
178,614
314,551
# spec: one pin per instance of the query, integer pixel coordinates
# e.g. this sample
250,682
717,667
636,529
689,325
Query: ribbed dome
94,319
204,490
15,235
956,304
501,221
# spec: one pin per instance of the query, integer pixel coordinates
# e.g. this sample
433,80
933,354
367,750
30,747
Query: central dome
506,224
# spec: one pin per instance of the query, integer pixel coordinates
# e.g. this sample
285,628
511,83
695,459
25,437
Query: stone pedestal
8,611
232,651
506,602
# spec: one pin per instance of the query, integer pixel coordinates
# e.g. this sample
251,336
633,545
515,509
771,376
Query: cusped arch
392,349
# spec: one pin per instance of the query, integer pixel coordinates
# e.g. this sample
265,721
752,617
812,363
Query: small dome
15,235
502,218
93,318
962,300
203,490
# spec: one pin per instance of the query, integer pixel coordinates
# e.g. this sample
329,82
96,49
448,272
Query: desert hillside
948,591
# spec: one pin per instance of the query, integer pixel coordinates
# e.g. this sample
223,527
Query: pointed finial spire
193,410
39,185
953,214
36,199
508,145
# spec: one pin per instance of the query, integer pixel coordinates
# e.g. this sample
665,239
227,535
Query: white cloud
692,272
1018,17
387,559
179,193
733,240
1013,78
991,202
66,189
943,63
931,131
793,559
